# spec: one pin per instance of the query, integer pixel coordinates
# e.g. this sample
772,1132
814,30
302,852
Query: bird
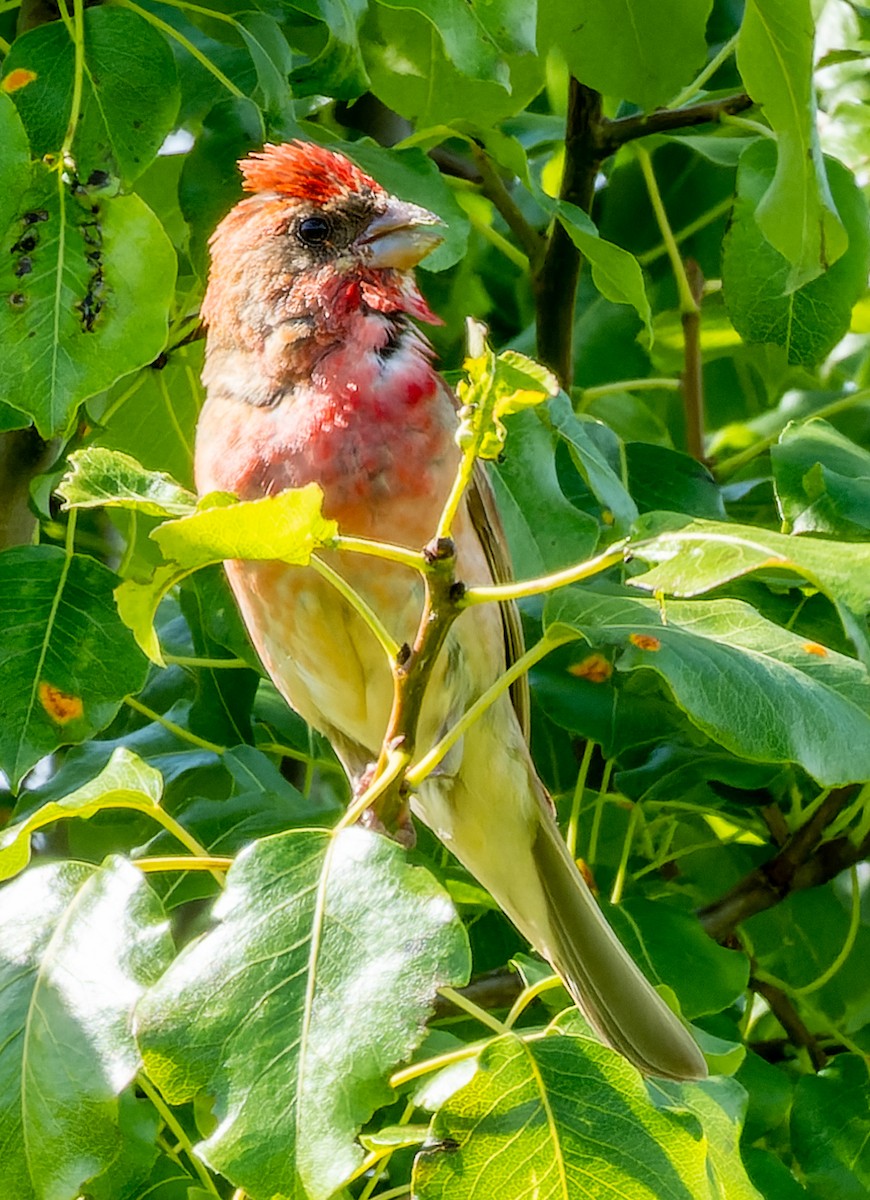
316,371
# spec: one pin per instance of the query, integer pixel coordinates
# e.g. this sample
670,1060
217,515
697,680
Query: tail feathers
607,986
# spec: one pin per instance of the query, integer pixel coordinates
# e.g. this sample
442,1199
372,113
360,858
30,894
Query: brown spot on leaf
594,667
645,641
17,79
61,706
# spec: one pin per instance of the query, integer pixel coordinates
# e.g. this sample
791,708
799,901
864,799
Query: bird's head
316,242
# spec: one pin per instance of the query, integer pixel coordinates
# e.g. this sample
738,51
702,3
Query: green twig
424,766
546,583
206,664
172,1122
386,550
688,303
473,1010
78,35
598,812
577,799
178,730
691,90
363,610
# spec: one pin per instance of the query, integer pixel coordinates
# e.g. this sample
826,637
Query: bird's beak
400,236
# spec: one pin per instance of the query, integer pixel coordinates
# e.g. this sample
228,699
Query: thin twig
494,189
789,1018
801,863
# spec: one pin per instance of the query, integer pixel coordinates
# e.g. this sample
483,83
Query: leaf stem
546,583
396,762
178,730
171,32
172,1122
577,799
424,766
688,303
691,90
398,554
527,995
211,664
598,812
78,36
182,862
508,249
707,218
473,1010
386,640
619,881
848,945
587,395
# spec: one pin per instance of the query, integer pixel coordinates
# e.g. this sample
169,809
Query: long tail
607,986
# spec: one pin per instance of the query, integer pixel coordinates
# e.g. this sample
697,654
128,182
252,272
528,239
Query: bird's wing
485,518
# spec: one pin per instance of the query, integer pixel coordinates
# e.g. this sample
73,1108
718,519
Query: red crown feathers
304,171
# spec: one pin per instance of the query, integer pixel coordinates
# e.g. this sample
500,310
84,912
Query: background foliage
174,1030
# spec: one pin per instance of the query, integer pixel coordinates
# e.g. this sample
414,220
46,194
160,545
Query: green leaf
338,67
829,1129
78,946
672,947
66,660
129,96
317,979
796,213
544,529
88,284
822,481
695,556
152,417
809,321
616,273
411,73
619,508
274,61
126,782
760,691
630,49
288,527
14,161
719,1106
99,478
476,34
562,1117
663,479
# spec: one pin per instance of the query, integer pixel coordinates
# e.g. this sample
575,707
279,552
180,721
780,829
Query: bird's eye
313,231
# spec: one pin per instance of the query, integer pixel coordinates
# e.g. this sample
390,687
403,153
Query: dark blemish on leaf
137,124
97,179
17,299
25,244
31,218
24,266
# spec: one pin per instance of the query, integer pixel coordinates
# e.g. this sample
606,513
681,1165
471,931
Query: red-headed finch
316,373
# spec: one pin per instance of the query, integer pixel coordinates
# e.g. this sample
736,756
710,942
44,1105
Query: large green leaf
822,481
66,660
337,68
14,161
829,1129
797,213
317,979
762,692
78,946
809,321
577,431
88,284
719,1106
630,49
560,1118
129,91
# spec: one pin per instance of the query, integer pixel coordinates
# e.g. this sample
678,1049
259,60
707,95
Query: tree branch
693,378
494,189
801,863
614,134
556,282
789,1018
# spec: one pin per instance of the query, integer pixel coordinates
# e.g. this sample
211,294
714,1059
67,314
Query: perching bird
315,372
